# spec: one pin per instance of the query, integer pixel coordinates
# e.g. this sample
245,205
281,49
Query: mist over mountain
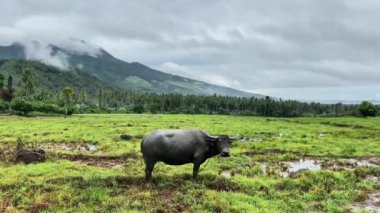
73,53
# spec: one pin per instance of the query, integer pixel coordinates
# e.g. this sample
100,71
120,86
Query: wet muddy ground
83,153
370,204
68,147
288,169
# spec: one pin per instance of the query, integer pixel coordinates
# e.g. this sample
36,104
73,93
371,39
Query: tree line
28,97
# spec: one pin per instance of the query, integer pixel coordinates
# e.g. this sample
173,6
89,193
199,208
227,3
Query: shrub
48,108
138,109
23,106
367,109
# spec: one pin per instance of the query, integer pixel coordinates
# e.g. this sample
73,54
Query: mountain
134,76
15,51
51,78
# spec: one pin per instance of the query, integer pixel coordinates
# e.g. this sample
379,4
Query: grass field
90,169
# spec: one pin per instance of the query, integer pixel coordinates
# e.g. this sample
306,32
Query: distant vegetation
42,88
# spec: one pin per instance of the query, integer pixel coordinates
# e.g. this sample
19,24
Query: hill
95,60
53,79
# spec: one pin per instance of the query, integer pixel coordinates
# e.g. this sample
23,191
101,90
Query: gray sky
314,49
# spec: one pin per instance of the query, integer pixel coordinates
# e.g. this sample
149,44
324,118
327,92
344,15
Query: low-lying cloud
44,53
49,54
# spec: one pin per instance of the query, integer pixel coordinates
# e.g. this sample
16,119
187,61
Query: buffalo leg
149,165
195,171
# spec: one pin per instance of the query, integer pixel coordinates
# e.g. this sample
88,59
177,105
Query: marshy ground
279,165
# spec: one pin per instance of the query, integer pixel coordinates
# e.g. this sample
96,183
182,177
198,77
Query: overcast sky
298,49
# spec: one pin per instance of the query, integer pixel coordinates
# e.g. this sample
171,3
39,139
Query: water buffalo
177,147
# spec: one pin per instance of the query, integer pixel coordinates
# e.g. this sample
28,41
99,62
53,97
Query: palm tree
67,94
28,82
82,98
100,94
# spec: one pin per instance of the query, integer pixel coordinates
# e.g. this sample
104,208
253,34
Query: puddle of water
226,173
291,168
282,134
103,163
245,140
304,165
288,169
371,204
263,167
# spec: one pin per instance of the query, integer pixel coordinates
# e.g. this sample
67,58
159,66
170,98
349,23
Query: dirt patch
128,181
293,168
115,164
74,157
68,147
223,184
351,163
344,125
270,151
126,137
39,207
171,203
371,204
107,161
372,178
374,160
30,156
5,204
117,181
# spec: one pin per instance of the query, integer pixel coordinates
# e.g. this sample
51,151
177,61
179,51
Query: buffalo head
222,144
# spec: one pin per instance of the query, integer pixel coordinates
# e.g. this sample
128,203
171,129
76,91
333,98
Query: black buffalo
177,147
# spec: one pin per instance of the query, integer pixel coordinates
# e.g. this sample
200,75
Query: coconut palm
68,93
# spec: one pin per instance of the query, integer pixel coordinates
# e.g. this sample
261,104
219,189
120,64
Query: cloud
9,35
300,48
76,46
174,68
44,53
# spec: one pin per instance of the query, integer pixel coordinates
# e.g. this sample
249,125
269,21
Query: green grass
60,185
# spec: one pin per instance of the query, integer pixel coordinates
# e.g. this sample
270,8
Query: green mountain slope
14,51
52,79
134,76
